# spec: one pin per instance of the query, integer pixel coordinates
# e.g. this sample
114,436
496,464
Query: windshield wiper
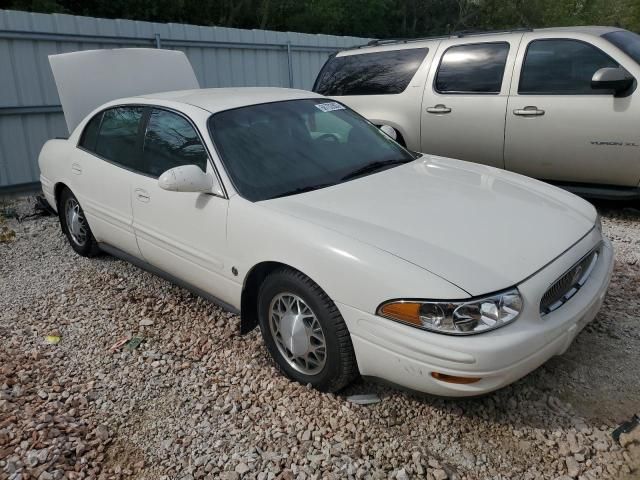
308,188
373,167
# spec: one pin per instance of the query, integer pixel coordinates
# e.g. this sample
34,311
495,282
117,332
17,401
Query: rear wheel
75,226
304,331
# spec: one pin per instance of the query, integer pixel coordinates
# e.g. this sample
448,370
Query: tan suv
558,104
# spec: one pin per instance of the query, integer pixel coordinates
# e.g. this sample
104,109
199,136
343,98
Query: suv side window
379,73
117,140
171,141
472,68
562,67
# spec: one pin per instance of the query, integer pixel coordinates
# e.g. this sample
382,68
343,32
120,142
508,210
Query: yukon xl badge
615,144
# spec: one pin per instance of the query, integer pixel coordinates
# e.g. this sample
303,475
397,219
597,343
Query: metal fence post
289,64
158,43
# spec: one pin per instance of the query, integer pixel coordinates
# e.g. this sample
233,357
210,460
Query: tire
81,240
329,373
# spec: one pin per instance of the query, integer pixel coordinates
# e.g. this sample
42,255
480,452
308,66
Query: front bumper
406,356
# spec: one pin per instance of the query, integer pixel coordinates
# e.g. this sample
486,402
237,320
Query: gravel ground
195,400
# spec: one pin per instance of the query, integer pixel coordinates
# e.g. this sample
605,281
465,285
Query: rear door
103,171
558,127
465,98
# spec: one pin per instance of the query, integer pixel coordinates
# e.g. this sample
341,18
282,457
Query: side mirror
616,79
187,178
389,131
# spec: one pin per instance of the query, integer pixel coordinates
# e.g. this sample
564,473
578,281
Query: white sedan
352,254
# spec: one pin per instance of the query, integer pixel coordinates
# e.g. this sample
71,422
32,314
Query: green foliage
368,18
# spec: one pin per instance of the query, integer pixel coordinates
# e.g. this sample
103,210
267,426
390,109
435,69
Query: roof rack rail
468,33
459,34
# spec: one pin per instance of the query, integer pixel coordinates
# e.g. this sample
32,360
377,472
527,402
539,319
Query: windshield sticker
329,107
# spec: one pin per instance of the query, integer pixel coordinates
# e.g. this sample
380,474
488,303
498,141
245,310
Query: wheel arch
249,296
57,191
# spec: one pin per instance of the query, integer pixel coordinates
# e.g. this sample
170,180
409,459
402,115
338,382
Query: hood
90,78
478,227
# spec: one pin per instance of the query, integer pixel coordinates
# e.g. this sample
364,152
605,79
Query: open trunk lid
90,78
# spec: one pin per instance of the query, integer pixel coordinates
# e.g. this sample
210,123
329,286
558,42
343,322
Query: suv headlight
465,317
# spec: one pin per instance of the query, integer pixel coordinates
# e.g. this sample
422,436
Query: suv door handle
142,195
528,112
440,108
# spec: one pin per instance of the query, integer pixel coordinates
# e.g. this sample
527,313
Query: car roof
218,99
395,44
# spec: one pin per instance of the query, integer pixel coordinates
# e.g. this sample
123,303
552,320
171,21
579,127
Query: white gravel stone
195,401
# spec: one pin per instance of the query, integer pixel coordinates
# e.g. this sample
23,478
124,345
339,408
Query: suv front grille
568,284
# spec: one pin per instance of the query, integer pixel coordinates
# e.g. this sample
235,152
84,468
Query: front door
465,99
558,127
181,233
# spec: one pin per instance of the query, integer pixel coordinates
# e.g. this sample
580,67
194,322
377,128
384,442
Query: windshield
283,148
628,42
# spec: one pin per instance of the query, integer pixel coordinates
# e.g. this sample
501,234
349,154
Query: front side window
628,42
171,141
118,136
476,68
378,73
562,67
283,148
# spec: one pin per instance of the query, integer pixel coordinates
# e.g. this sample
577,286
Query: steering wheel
328,137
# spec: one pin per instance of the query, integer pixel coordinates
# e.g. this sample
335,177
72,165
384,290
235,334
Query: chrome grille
568,284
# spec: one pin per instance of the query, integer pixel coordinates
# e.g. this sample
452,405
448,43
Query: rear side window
118,137
171,141
562,67
379,73
476,68
90,134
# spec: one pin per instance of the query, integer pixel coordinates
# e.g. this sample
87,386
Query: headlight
465,317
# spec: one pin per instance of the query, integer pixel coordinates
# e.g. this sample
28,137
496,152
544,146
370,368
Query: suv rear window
379,73
476,68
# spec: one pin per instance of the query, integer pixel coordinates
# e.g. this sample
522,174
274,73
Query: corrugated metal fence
29,106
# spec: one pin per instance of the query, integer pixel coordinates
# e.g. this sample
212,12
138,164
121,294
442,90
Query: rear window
476,68
118,137
628,42
379,73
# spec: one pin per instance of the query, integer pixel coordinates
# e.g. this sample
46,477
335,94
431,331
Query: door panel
465,99
578,135
104,192
184,234
181,233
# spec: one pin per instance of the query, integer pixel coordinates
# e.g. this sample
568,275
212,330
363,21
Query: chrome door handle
440,108
528,112
142,195
76,168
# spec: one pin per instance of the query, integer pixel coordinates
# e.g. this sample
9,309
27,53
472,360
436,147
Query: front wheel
75,226
304,331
